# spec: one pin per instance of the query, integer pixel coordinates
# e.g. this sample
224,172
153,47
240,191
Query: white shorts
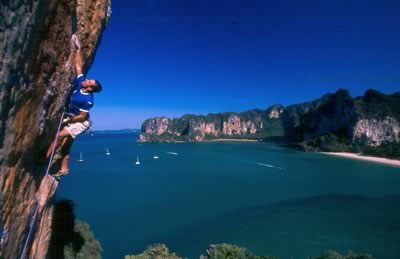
77,128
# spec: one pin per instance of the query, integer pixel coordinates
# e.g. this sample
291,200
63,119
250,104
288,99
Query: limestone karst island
199,129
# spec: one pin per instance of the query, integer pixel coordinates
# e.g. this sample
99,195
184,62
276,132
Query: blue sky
171,57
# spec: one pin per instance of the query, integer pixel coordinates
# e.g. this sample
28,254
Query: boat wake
265,165
172,153
270,166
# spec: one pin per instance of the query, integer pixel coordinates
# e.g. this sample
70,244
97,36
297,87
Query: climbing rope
33,219
55,143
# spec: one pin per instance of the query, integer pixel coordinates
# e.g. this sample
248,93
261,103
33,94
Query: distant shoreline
230,139
203,141
380,160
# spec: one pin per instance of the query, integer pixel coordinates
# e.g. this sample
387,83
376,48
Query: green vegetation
350,255
228,251
329,114
388,150
328,143
89,248
375,104
156,251
332,143
180,125
272,128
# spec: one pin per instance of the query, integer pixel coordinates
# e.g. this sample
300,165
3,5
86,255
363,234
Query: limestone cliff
156,126
374,132
379,119
369,120
251,124
35,71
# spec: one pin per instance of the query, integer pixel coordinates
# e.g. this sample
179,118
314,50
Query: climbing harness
33,219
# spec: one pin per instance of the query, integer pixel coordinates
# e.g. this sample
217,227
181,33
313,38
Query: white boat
137,160
155,157
172,153
107,152
80,158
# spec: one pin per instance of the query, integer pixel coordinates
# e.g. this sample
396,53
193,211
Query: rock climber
77,119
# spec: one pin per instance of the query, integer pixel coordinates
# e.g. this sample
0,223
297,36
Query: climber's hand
75,41
66,120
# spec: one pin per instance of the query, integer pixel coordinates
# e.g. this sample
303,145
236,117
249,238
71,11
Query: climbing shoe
61,173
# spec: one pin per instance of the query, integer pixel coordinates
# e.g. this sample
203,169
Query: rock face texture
35,71
374,132
235,126
250,124
156,126
378,119
275,111
369,120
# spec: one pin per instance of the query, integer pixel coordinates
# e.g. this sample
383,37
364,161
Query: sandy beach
367,158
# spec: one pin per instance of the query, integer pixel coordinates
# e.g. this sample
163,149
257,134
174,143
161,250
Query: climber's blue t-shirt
80,101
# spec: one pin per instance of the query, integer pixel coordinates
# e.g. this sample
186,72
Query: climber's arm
78,55
78,62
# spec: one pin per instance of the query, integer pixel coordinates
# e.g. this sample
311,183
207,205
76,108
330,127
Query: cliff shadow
63,232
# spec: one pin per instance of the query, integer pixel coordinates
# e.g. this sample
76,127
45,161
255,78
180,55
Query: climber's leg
61,135
65,151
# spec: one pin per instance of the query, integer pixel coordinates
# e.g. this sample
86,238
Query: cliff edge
35,71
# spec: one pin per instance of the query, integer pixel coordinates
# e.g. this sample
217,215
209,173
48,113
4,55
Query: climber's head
91,86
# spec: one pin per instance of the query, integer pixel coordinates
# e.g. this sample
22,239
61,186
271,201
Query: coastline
380,160
230,140
203,141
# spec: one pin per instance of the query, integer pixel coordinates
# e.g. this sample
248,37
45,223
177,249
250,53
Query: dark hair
97,88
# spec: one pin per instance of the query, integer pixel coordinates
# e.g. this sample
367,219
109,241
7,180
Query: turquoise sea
270,199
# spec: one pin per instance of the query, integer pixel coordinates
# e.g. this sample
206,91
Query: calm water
272,200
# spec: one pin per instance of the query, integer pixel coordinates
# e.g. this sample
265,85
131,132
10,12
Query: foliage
332,143
388,150
228,251
375,104
88,249
327,114
328,143
156,251
350,255
251,114
272,128
181,125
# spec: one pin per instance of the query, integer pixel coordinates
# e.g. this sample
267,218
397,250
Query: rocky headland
334,122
